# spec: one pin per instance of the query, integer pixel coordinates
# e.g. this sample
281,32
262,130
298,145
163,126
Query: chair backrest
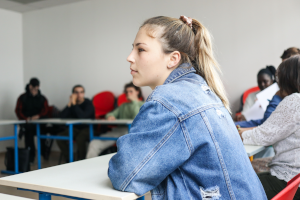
249,91
244,97
103,102
290,190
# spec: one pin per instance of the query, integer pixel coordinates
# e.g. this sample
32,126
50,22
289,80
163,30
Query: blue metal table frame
68,123
116,122
15,138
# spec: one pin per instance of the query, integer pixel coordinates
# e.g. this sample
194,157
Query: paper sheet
265,96
255,112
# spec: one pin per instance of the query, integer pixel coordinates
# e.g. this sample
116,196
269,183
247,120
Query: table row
251,150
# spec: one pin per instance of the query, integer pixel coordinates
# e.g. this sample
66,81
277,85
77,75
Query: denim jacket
183,144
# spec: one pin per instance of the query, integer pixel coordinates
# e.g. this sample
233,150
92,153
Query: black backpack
23,155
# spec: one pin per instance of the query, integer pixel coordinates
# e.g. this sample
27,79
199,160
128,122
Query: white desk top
102,121
252,150
84,179
55,121
7,122
10,197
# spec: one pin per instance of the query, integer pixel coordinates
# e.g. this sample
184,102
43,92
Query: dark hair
128,85
194,45
76,86
34,82
290,52
269,70
288,74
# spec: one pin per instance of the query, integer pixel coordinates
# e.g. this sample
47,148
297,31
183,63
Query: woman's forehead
147,34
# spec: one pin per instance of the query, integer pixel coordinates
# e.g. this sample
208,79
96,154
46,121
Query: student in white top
282,130
265,78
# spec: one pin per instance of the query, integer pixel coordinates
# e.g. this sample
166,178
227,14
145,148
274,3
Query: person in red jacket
31,105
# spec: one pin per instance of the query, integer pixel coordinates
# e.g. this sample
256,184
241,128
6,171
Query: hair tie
187,20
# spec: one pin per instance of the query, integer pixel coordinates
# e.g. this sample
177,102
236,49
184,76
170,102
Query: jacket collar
180,71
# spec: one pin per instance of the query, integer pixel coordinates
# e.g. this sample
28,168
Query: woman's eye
140,50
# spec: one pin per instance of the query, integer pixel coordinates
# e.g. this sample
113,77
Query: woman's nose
130,57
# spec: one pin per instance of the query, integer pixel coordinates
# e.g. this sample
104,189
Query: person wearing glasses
78,107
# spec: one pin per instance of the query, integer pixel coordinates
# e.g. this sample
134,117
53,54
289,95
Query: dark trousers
272,185
29,131
81,137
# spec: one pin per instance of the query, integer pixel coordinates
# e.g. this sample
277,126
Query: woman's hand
111,118
242,130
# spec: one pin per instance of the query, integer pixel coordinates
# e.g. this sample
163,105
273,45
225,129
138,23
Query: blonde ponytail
208,67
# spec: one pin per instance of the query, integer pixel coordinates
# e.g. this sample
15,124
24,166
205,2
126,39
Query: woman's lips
133,72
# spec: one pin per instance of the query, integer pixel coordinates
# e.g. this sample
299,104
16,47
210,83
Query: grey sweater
282,130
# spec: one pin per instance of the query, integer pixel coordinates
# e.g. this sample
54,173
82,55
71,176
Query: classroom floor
53,160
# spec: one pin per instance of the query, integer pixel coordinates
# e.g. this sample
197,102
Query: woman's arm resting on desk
282,122
115,113
149,153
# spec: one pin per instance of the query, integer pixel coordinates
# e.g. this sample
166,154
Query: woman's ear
175,58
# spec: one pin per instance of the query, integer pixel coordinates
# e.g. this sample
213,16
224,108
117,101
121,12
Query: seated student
31,105
78,107
265,78
277,98
125,111
183,143
282,130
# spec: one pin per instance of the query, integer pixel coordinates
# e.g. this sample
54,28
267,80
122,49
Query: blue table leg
141,198
16,150
44,196
129,126
91,132
38,134
47,195
71,143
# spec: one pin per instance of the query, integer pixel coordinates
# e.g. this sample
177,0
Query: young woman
282,130
183,143
125,111
265,78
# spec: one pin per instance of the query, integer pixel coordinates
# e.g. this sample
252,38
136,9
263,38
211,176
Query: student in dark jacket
78,107
31,105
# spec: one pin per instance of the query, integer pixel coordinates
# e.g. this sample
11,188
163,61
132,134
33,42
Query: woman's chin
136,82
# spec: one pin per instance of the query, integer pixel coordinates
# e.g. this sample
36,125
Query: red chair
244,97
290,190
249,91
104,102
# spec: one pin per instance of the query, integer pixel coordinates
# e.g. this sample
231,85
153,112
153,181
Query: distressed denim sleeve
153,149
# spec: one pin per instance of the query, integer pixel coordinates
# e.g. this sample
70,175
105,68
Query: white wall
88,42
11,69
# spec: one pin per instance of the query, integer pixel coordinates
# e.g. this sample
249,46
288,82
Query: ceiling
30,5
